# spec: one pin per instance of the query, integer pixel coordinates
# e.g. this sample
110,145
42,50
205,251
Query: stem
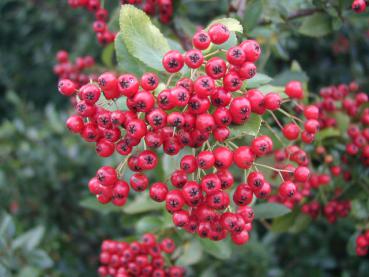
169,79
276,119
274,132
289,115
212,53
272,168
295,15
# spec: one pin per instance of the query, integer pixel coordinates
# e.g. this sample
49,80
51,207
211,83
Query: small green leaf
232,24
40,258
251,127
142,203
192,253
107,55
143,39
126,62
327,133
30,239
258,80
92,204
218,249
148,224
29,271
252,15
270,210
316,25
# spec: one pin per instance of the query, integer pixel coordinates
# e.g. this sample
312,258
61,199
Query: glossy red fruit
107,176
291,131
193,58
223,157
128,85
236,56
149,81
272,101
294,89
205,160
252,50
201,40
173,61
158,191
204,86
67,87
75,124
255,180
218,33
287,189
243,195
243,157
216,68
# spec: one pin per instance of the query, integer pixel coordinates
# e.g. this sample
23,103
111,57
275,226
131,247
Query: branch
184,40
295,15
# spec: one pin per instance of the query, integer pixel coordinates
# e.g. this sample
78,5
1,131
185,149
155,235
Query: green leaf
283,223
276,89
142,203
92,204
30,239
29,271
327,133
316,25
143,39
126,62
7,227
252,15
258,80
40,258
251,127
218,249
192,253
107,55
270,210
232,24
351,244
148,224
288,75
343,121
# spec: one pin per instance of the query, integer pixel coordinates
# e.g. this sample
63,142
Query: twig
292,16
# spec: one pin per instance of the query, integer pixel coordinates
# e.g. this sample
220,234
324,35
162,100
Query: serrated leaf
92,204
270,210
232,24
192,253
251,127
142,203
258,80
30,239
126,62
143,39
316,25
218,249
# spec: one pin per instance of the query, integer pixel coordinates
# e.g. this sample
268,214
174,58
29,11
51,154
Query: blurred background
48,224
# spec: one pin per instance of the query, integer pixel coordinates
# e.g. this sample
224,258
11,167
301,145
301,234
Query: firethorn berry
216,68
128,85
139,182
311,112
246,71
174,201
221,134
104,148
67,87
358,6
243,195
287,189
173,61
252,50
201,40
204,86
255,180
232,82
240,238
210,183
149,81
89,93
223,157
218,33
136,128
181,218
75,124
178,178
311,126
188,163
221,98
243,157
301,173
236,56
240,109
261,146
158,192
181,96
205,160
256,99
272,101
264,192
107,176
291,131
193,58
294,89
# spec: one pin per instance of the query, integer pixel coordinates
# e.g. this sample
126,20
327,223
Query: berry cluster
100,26
138,258
359,6
362,243
66,69
195,111
164,8
342,99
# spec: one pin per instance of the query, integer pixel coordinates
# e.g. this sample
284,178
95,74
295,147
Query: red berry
218,33
294,89
201,40
243,157
158,192
173,61
291,131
